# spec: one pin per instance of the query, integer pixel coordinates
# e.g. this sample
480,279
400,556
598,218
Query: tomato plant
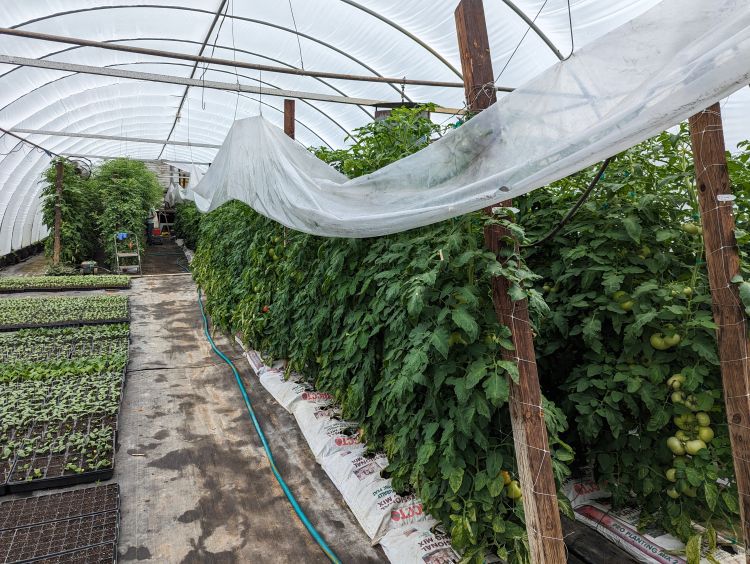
633,378
187,223
401,329
117,197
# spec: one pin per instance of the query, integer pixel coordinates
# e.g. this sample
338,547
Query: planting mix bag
323,428
591,507
255,361
379,509
421,543
353,464
286,391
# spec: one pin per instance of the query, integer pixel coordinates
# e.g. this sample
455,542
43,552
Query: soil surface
195,482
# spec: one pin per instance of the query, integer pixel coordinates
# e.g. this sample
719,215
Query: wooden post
527,416
723,262
58,211
289,117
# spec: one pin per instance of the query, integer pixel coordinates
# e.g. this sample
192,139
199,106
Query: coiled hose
289,495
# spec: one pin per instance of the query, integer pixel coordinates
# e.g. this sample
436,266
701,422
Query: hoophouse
449,281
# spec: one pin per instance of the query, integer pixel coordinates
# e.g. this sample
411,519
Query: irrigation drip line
581,200
290,496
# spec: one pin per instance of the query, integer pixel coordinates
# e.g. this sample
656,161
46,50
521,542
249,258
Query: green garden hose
290,496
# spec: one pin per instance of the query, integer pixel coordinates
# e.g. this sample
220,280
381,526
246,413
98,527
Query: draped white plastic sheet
176,194
647,75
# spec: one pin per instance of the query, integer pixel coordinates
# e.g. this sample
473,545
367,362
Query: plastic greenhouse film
418,544
326,433
647,75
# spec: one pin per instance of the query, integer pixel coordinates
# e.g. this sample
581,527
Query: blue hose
289,495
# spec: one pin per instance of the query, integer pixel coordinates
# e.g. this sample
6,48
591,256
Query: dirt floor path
195,483
35,265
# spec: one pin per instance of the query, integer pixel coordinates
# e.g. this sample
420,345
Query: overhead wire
296,33
518,46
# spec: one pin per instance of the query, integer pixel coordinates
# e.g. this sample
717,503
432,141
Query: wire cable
581,200
290,496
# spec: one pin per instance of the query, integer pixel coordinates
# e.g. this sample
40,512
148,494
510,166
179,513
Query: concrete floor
195,483
33,266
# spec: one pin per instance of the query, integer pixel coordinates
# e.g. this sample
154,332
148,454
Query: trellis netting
649,74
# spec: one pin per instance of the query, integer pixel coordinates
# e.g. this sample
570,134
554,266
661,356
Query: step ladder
127,254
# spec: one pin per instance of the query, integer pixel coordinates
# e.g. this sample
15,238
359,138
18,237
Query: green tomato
691,402
690,492
678,397
679,420
628,305
671,492
675,445
514,490
703,419
620,296
657,341
690,228
706,434
671,474
694,447
672,341
687,291
676,381
682,435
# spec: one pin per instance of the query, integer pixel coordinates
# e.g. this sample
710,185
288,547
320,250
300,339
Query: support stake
527,416
58,211
289,117
723,262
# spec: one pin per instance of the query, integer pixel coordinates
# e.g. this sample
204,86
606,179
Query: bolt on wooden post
58,212
527,417
723,263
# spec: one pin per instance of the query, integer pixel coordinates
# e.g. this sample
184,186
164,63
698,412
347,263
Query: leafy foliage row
402,330
117,197
624,279
187,223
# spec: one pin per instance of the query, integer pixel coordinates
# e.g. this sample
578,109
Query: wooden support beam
474,49
58,211
527,416
723,263
289,117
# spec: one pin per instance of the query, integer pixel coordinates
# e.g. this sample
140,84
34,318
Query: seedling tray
6,468
62,505
56,539
59,289
52,467
78,323
66,350
99,554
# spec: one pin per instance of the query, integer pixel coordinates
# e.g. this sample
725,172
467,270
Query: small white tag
725,197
